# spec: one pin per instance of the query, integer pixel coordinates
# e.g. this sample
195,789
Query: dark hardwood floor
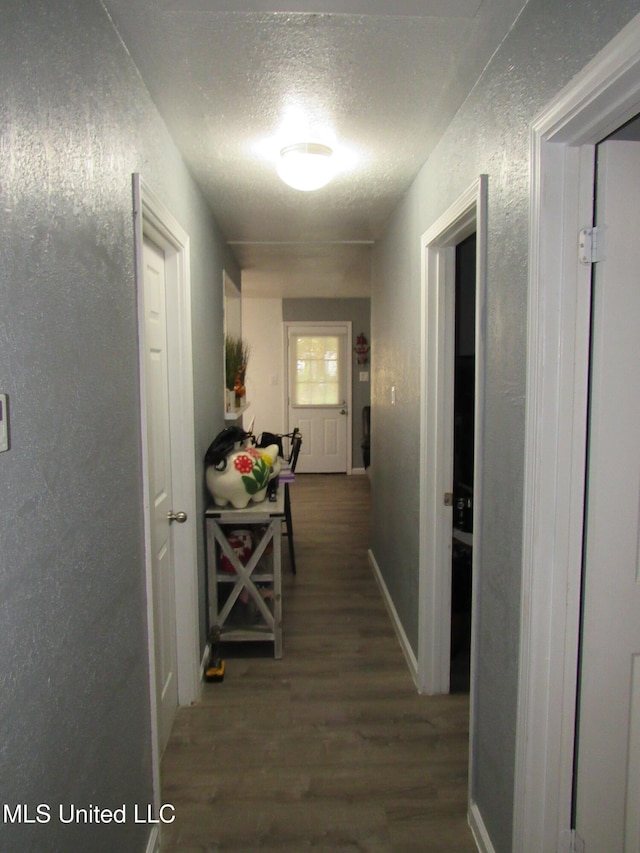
330,749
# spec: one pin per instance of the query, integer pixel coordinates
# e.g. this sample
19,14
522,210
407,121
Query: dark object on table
365,444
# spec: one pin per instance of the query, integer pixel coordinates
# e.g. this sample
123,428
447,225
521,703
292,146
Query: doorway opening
464,225
464,382
606,742
465,220
605,95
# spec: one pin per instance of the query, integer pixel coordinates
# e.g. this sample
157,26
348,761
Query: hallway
329,749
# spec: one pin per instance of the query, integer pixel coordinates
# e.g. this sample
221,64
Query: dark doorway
463,461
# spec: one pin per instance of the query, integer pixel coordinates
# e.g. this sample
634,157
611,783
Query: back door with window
318,360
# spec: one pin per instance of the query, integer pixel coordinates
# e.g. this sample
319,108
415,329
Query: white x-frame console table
261,577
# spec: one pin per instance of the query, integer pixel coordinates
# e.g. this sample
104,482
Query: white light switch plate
4,423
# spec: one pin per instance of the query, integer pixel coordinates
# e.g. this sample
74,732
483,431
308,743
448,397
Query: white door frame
153,220
348,365
602,97
466,215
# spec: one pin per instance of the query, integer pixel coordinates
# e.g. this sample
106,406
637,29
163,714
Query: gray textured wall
550,43
359,312
75,122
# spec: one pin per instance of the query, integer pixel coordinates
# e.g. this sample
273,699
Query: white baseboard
480,834
153,843
409,654
358,471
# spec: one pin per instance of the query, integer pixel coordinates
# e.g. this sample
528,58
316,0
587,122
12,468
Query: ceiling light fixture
306,165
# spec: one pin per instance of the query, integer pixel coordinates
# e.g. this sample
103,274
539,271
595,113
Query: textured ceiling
235,86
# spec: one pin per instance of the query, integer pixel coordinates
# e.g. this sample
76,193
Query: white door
319,394
160,492
608,741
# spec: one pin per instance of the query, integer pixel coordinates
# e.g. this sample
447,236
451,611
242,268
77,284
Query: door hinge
448,498
570,842
590,245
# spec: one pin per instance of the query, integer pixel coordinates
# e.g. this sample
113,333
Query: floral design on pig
244,476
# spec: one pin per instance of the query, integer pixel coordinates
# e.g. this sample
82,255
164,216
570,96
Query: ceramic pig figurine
245,475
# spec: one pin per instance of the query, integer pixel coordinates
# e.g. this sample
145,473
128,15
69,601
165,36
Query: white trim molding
437,246
479,830
153,841
602,97
151,218
405,645
466,215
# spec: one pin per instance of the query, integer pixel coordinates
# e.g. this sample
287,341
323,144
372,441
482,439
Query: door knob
180,517
343,411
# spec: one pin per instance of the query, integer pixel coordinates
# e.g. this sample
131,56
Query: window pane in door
316,374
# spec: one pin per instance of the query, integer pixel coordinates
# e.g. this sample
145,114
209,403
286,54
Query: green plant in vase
236,357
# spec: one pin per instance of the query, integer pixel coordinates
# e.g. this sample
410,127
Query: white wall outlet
4,423
393,395
364,376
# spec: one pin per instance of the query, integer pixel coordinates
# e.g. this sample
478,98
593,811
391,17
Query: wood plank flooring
330,749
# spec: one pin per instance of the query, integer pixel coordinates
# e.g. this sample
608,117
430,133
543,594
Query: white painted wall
265,380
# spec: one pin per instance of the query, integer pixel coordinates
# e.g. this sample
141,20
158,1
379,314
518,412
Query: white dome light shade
306,165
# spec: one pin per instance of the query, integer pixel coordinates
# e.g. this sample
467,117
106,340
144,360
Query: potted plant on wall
236,357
